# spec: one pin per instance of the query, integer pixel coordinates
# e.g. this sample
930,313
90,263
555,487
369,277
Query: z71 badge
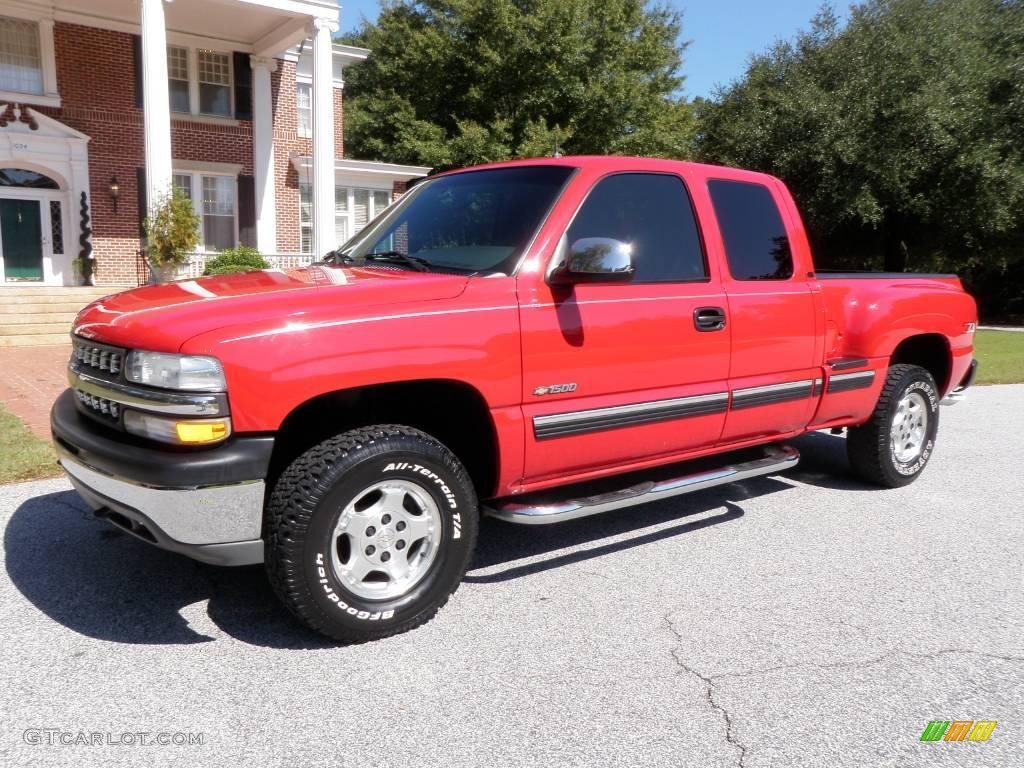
555,389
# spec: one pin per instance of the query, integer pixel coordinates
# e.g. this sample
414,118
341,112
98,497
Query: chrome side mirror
592,259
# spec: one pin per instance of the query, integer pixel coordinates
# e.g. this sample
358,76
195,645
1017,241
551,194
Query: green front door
22,236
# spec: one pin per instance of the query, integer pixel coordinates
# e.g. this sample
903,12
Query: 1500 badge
555,389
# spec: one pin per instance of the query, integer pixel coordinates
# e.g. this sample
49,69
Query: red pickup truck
536,340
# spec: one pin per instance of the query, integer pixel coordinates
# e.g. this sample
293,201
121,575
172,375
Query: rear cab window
755,237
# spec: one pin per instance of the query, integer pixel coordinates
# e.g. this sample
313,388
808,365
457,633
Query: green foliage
240,259
456,82
172,230
901,136
1000,357
25,456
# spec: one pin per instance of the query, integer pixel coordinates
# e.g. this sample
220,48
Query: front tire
370,532
892,448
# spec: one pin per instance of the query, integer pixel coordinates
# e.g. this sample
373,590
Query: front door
618,373
21,236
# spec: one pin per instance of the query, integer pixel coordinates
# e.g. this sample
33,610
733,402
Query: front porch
236,102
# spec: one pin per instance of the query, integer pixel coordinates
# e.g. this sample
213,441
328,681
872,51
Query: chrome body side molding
593,420
844,382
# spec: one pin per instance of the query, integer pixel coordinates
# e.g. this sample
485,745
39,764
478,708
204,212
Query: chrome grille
99,405
98,357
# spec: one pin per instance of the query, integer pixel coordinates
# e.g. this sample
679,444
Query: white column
323,137
156,101
263,153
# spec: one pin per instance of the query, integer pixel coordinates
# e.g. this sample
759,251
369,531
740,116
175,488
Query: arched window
19,177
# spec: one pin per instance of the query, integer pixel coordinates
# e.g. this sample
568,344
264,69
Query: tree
455,82
901,135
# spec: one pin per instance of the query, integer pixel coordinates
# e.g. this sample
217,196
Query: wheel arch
930,351
454,412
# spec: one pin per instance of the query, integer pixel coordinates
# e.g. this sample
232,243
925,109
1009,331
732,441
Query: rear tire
370,532
892,448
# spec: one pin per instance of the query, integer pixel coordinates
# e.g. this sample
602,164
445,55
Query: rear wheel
892,448
370,532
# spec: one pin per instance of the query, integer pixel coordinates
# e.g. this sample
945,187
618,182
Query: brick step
47,298
28,318
34,328
56,306
62,290
34,340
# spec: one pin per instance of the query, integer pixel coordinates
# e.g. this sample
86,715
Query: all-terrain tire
871,448
308,501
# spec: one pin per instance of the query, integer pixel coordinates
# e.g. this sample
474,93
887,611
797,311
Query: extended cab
536,340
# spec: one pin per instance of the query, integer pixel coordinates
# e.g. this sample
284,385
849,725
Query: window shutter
247,211
243,85
140,179
137,60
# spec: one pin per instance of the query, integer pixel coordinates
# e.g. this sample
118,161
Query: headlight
178,431
160,369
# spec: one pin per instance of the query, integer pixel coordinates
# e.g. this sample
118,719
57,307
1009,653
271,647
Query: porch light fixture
115,191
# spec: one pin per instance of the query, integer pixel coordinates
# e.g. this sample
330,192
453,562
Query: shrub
240,259
172,230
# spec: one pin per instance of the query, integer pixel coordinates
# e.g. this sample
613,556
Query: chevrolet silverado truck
537,341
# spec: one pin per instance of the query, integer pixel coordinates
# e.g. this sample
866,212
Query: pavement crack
709,695
710,688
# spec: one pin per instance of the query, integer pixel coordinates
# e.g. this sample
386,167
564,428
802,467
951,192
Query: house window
214,83
354,208
21,66
218,212
183,183
177,74
215,206
304,109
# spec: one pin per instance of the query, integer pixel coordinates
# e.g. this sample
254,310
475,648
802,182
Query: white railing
197,263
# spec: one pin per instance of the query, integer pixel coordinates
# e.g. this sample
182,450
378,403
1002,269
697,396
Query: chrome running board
777,458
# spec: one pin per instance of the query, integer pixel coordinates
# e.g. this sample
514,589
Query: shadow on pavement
103,583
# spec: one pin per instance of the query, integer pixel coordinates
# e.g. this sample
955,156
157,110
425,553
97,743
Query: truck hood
163,317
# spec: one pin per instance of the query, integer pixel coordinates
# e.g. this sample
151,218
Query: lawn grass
23,456
1000,357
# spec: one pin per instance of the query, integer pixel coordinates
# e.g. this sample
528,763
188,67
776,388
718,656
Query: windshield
475,221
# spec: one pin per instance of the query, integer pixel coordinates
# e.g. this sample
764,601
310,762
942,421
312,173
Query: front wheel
370,532
892,448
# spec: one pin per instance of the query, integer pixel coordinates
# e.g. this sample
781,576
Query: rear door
616,373
774,376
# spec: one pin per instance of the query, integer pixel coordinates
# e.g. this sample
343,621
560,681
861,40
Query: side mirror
591,260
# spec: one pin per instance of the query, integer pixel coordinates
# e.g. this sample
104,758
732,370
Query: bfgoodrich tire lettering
310,498
892,448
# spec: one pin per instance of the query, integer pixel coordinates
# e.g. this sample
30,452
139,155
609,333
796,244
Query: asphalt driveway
799,620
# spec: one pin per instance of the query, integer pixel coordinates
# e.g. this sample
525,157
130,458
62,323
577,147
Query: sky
723,33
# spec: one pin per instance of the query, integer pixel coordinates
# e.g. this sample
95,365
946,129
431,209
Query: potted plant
172,232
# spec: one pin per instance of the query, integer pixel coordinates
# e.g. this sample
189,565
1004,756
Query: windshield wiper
420,265
337,257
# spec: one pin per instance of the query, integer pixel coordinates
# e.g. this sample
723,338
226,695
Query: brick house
104,104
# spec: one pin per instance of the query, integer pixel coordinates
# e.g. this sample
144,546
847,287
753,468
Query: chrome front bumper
213,524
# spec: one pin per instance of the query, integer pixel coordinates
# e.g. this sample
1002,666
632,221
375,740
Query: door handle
709,318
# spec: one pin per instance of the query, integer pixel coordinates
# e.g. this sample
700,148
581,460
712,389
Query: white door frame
56,267
37,142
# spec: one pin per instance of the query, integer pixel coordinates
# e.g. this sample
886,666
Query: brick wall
96,81
287,143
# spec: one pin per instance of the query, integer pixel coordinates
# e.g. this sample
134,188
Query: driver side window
652,213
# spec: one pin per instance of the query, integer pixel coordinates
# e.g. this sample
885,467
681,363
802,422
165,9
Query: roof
602,164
